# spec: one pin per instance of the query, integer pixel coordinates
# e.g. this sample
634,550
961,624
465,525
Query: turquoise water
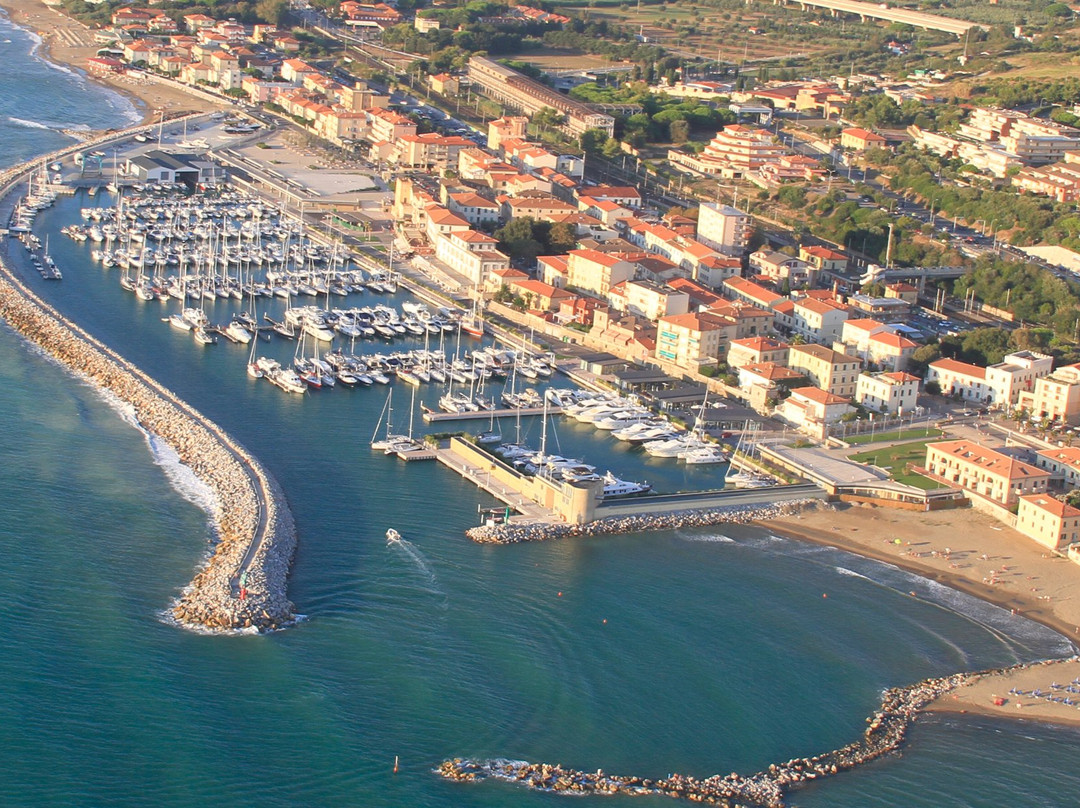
697,651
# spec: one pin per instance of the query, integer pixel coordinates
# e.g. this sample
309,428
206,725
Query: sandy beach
69,42
977,555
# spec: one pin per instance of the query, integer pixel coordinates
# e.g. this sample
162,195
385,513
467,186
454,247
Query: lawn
895,434
895,459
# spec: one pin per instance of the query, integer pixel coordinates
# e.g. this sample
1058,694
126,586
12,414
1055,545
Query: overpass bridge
883,11
920,275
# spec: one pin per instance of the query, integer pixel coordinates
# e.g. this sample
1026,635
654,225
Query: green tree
592,140
523,239
562,238
679,131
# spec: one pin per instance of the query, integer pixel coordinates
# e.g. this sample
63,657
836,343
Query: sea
696,651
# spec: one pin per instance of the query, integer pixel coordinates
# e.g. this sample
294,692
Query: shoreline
45,21
806,526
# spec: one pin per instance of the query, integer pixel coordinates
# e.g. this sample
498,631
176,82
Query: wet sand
960,548
69,42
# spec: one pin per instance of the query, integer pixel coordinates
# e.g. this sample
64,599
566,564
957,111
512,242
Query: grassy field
895,460
902,434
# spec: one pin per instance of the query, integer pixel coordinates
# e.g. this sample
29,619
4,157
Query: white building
890,393
724,228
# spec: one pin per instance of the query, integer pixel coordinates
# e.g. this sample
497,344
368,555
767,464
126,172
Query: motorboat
614,487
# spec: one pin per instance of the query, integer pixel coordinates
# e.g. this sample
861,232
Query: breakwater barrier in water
512,533
885,732
243,585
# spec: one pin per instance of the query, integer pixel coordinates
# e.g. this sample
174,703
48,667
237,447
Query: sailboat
473,322
389,437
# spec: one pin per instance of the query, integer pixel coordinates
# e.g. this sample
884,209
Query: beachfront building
996,476
892,393
1056,396
960,379
1063,462
830,370
1050,522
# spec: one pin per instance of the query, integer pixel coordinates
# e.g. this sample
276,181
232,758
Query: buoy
605,621
824,595
560,594
395,764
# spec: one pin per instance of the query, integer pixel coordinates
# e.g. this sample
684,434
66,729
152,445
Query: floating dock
433,417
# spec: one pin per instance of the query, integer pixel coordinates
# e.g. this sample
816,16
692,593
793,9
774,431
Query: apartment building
779,266
813,319
830,370
596,272
1001,384
811,409
471,254
689,340
473,208
996,476
723,228
652,301
887,392
752,293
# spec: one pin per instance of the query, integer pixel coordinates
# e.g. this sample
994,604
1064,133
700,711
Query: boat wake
50,126
713,539
409,550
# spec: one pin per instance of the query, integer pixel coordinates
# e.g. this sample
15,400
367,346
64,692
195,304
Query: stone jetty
243,585
885,732
512,533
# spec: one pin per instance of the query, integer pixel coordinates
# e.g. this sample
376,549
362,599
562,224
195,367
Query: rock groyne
243,585
512,533
886,731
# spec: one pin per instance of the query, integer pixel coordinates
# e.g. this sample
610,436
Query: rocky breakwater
243,585
886,731
511,533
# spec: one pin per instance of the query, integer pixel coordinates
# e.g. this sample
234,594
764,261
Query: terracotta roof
1062,510
955,366
692,322
987,459
770,371
818,395
760,344
893,340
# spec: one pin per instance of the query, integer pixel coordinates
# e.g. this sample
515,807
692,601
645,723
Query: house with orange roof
606,210
500,129
444,84
752,293
538,207
553,269
503,277
999,477
596,272
442,222
859,140
1055,396
893,392
539,296
690,340
198,22
770,376
473,255
823,259
1049,521
473,208
756,350
830,370
1063,462
701,296
294,70
815,320
812,409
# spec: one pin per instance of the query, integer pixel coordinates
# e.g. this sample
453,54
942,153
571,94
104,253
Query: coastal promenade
243,585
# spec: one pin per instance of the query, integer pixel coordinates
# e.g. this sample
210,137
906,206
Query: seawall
243,585
885,733
511,533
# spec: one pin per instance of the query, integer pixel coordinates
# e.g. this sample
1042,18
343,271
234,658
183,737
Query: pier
435,417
